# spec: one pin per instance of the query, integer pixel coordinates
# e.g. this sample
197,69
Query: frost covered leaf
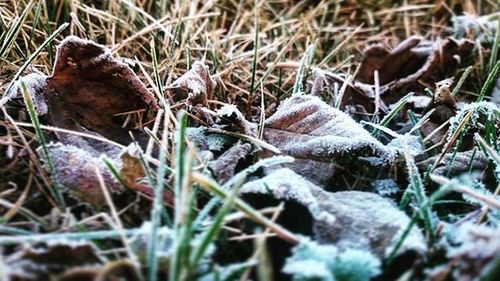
196,84
478,252
230,118
46,260
462,162
311,261
412,60
205,141
495,93
225,166
87,91
482,28
349,219
88,88
443,103
75,169
320,138
36,84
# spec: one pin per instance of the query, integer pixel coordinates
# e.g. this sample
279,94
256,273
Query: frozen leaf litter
382,167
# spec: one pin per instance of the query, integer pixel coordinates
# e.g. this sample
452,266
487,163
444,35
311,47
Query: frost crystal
311,261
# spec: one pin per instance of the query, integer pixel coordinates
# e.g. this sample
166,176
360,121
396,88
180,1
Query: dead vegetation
249,140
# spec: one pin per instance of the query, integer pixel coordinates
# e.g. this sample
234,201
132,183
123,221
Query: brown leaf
230,118
87,91
403,68
196,84
321,138
75,169
443,103
349,219
88,88
46,260
225,166
478,253
413,59
455,164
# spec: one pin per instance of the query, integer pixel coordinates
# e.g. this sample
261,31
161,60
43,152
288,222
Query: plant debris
234,140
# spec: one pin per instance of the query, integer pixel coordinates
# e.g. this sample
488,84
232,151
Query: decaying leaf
462,162
349,219
87,91
322,138
443,103
88,88
412,60
66,261
482,28
196,84
46,260
230,118
403,68
225,166
36,83
478,253
75,169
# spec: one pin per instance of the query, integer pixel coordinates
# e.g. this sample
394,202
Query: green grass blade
303,69
6,97
56,189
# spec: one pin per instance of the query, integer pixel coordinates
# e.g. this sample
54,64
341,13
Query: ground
249,140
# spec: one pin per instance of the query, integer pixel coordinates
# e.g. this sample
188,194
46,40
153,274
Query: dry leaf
479,252
196,84
87,90
75,169
89,87
462,162
321,138
66,261
412,60
443,103
482,28
349,219
402,69
44,261
225,166
231,119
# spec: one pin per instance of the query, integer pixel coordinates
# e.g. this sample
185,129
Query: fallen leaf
455,164
412,60
322,138
66,261
348,219
404,68
46,260
230,118
88,90
224,167
477,253
75,169
443,103
196,84
482,28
